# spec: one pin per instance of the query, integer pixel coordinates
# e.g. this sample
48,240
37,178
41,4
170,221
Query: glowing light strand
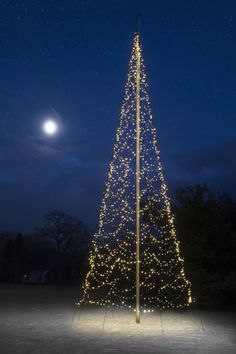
111,277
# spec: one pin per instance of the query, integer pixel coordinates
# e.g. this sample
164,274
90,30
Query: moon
50,127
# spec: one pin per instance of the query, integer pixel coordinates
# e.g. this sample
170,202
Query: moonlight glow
50,127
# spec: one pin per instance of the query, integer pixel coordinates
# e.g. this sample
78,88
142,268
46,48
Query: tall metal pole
138,175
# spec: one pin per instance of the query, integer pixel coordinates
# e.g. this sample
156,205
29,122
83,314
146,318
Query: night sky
68,60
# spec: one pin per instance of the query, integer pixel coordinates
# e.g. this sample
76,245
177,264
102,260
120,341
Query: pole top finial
138,24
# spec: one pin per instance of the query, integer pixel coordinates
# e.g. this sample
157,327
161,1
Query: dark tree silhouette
60,228
13,262
72,239
206,227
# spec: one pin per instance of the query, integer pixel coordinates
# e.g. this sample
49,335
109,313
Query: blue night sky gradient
69,59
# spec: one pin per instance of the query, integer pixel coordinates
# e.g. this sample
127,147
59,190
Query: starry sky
68,60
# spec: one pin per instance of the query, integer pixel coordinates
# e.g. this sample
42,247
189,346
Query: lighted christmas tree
111,279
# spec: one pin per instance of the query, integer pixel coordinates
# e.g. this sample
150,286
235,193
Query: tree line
57,253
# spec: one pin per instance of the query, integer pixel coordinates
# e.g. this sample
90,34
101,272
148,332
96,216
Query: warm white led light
111,277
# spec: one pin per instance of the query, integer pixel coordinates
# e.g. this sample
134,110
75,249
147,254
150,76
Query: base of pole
137,317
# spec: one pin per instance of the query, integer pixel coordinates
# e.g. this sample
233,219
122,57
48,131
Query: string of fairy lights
111,277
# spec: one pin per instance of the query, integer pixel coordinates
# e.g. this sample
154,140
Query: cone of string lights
135,259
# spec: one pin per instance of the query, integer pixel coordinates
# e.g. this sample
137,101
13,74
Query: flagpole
138,174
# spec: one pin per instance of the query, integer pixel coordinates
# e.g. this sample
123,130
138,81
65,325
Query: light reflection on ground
35,320
122,321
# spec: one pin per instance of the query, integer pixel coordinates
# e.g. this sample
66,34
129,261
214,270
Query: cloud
210,157
214,164
37,150
43,151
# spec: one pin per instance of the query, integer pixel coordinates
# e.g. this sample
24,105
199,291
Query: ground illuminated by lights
37,319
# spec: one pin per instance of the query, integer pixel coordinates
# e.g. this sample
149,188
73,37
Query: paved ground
36,319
